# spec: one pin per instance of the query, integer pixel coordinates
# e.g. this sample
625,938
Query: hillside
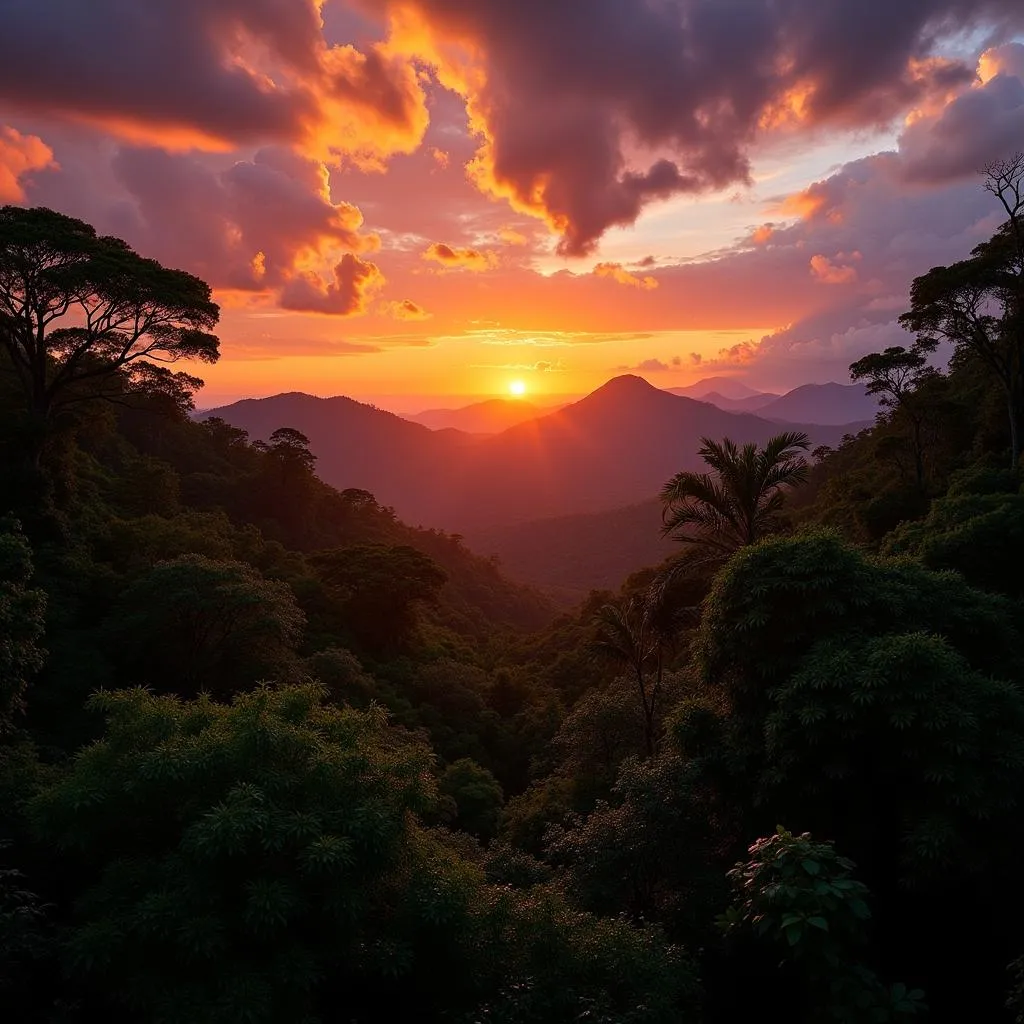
752,403
829,404
614,448
825,404
579,553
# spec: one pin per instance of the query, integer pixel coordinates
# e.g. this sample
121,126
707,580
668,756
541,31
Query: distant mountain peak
726,387
625,384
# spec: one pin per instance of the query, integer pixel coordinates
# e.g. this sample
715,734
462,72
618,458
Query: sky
421,202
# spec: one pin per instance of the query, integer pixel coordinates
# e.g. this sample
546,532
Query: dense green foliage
268,754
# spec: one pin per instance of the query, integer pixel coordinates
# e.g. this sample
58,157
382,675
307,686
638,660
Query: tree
22,622
977,305
276,869
195,623
476,797
81,315
652,850
742,502
801,895
975,530
629,634
895,376
381,586
872,700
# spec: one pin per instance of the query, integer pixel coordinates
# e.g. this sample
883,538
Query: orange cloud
762,234
20,155
405,310
512,237
368,106
805,205
827,272
354,284
466,259
617,272
258,73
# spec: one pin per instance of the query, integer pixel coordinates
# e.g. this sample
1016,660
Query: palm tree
740,504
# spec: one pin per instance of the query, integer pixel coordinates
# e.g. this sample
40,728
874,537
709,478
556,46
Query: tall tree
741,503
633,635
977,305
82,315
895,376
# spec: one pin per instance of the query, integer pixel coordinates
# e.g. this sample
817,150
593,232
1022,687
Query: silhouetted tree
630,634
81,315
895,375
977,305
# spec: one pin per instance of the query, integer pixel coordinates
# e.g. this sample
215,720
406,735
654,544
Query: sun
517,388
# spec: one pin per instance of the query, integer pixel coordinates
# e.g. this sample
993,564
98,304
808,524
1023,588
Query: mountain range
489,417
613,448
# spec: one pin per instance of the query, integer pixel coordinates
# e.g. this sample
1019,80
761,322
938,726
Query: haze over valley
613,448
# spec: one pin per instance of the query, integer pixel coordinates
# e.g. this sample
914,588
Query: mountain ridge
612,448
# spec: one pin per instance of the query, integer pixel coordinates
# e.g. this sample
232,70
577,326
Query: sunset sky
423,201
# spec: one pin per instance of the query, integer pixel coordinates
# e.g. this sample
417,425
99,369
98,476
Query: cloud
541,366
464,259
550,339
979,125
828,272
348,294
277,204
617,272
510,236
211,74
19,156
280,348
261,225
652,366
405,310
588,113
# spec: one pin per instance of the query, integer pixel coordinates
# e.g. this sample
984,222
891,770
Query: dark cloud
246,226
978,126
208,73
590,111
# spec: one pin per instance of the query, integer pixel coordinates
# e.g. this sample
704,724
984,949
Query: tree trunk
648,712
1016,428
918,454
